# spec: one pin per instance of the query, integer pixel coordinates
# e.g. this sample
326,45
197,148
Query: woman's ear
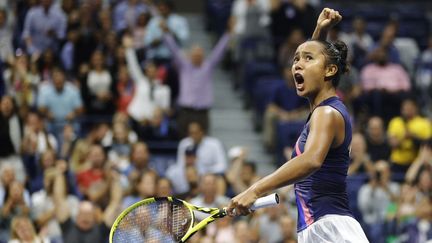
331,70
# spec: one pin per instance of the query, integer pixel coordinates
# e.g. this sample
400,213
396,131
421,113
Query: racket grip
266,201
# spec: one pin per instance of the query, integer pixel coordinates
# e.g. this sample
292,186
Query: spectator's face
388,35
164,10
120,132
147,185
375,128
58,80
359,25
24,230
140,155
8,175
383,169
296,37
287,225
247,173
242,231
6,106
288,76
208,185
96,156
123,75
2,17
409,109
163,188
85,219
46,3
196,132
33,122
48,159
97,59
16,191
197,55
151,70
157,117
142,20
380,56
425,182
192,175
358,145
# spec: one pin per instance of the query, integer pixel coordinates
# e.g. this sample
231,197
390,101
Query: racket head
153,220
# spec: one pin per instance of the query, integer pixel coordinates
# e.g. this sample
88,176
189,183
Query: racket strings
162,221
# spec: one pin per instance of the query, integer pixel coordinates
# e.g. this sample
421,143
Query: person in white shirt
210,154
150,93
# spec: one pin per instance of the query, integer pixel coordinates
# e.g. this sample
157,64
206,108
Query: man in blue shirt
59,101
44,27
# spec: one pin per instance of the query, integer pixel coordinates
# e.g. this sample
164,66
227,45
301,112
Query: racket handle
266,201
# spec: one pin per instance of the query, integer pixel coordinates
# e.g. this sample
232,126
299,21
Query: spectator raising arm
132,61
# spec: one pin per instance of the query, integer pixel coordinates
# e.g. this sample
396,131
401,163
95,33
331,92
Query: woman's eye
308,58
295,60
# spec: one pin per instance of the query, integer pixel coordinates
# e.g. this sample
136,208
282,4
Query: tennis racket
168,219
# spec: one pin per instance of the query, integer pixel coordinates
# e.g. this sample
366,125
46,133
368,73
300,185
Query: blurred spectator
177,26
269,228
160,128
92,171
196,86
60,102
184,177
36,167
10,136
285,106
10,132
6,33
286,16
142,187
68,142
83,145
210,154
125,89
386,43
420,171
46,63
164,187
98,88
289,46
14,203
360,159
140,30
250,17
208,196
150,94
67,54
384,85
241,174
378,146
359,42
139,161
21,81
43,205
423,76
121,147
126,13
23,230
288,228
36,139
374,198
406,132
45,27
86,227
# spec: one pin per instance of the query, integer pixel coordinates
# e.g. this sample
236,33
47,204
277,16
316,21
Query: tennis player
320,160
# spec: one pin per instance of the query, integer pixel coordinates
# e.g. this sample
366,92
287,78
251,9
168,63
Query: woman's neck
321,96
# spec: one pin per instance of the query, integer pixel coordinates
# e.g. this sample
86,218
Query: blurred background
107,102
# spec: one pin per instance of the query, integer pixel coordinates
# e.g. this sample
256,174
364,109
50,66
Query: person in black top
378,147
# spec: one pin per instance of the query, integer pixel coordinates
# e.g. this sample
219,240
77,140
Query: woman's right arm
326,20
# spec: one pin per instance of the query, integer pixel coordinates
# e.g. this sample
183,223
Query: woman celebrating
320,160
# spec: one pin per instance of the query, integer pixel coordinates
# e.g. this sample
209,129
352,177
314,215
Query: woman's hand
240,204
328,18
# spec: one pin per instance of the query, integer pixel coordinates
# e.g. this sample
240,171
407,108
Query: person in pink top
384,85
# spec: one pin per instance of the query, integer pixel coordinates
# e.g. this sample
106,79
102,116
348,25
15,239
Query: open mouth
299,80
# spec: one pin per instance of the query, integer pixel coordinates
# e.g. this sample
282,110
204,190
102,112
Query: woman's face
147,185
24,230
308,68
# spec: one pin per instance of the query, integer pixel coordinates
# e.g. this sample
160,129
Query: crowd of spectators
93,91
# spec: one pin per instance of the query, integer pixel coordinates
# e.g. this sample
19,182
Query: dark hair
336,53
